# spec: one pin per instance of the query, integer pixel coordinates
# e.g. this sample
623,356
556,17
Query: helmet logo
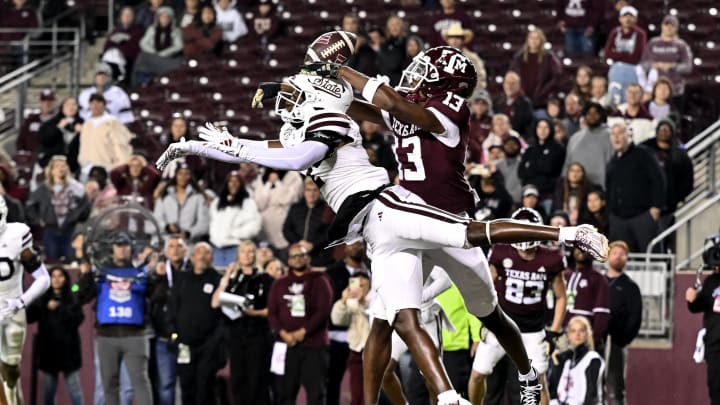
456,62
327,86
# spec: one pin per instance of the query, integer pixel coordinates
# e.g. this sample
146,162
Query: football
333,46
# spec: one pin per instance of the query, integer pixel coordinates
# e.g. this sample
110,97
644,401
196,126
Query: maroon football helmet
439,70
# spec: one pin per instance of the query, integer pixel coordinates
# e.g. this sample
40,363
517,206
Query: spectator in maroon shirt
587,295
579,21
625,45
136,178
480,125
202,37
21,16
516,105
299,308
125,40
266,24
538,68
443,19
28,138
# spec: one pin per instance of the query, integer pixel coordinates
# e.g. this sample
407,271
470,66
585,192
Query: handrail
56,61
705,205
703,144
22,69
690,146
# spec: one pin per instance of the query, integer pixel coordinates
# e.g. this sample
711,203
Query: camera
711,254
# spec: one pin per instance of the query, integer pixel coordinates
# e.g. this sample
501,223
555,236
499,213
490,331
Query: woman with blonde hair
58,205
538,68
580,368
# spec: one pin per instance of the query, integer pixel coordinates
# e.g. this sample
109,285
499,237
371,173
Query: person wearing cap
480,125
117,102
161,48
104,140
539,69
459,37
28,140
299,307
666,55
448,15
120,291
58,204
515,104
531,199
625,45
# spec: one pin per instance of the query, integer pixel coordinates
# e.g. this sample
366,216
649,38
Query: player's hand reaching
10,307
323,69
177,150
586,238
265,91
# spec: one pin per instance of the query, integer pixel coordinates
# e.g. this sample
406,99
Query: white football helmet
310,95
3,214
530,216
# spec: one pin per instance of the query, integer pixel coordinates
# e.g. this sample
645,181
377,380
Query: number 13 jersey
16,238
433,165
522,284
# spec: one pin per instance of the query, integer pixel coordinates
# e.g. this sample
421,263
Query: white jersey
346,169
16,238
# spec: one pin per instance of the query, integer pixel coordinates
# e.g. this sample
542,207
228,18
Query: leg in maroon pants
354,366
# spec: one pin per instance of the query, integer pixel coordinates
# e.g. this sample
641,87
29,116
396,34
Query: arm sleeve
634,315
684,66
592,380
601,310
340,316
147,43
297,158
38,287
322,305
272,307
440,282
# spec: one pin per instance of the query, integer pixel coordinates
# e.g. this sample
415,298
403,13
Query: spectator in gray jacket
509,167
667,55
182,207
58,204
161,48
591,145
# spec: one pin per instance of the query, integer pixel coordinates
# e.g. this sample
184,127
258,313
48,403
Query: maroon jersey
430,167
522,284
587,295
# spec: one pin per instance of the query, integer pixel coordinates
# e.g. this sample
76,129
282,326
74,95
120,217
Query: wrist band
371,87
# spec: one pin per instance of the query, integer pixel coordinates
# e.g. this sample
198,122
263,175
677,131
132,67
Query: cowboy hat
456,30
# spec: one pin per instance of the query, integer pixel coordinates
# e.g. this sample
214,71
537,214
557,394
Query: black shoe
530,392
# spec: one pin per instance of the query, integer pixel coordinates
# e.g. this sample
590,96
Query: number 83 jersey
16,238
522,284
432,165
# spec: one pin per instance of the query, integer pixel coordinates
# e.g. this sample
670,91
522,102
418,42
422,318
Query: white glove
10,307
586,238
213,134
180,149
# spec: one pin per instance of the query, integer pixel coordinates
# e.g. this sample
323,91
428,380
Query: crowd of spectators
601,146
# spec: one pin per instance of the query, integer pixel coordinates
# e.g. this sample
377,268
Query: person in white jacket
230,20
234,217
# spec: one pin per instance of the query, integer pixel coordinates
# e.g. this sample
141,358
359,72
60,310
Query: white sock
448,397
531,375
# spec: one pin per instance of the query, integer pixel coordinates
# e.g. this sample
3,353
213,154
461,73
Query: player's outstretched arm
30,262
381,95
299,157
584,237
